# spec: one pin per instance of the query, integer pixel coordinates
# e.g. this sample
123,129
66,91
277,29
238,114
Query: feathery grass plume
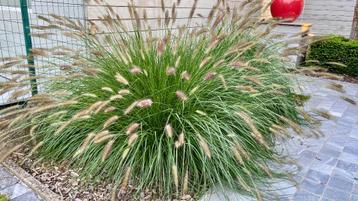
109,109
323,113
85,144
237,155
210,75
35,148
130,108
121,79
175,175
145,103
248,89
254,80
181,95
170,71
224,65
168,130
108,89
103,139
126,177
135,70
204,62
185,75
337,87
204,146
255,132
132,138
110,121
115,97
132,128
181,140
296,127
349,100
201,112
123,92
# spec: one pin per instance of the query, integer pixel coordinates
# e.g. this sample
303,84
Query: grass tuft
176,112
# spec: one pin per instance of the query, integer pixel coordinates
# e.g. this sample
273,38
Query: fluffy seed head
132,128
186,182
144,103
110,121
126,177
169,130
107,150
181,95
130,107
181,141
201,112
85,144
204,145
107,89
115,97
135,70
125,153
123,92
132,138
121,79
170,71
175,175
185,75
204,62
210,75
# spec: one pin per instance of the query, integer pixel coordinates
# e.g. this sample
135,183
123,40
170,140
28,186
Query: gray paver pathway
330,163
15,189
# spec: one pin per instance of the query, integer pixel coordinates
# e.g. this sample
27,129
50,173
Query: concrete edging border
40,189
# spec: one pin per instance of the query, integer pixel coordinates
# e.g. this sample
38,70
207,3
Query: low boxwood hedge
335,49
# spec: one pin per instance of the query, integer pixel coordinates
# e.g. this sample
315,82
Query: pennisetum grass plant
179,110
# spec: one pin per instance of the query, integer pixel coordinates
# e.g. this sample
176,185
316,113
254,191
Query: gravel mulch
66,182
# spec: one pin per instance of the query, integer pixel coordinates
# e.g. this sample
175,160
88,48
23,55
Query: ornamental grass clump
178,111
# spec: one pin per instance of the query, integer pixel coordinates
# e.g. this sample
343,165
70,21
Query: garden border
40,189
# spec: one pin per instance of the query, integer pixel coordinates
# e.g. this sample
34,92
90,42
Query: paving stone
354,198
317,176
355,189
306,157
30,196
335,194
325,167
16,190
351,142
351,176
348,157
348,166
338,141
19,190
312,186
341,183
338,109
303,195
7,181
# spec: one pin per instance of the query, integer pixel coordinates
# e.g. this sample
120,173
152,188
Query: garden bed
65,183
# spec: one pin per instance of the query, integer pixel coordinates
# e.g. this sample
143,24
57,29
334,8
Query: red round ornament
288,10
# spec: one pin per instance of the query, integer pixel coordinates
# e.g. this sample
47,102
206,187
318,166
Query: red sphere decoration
286,9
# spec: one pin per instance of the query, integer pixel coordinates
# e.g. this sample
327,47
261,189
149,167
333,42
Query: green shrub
177,114
4,197
336,49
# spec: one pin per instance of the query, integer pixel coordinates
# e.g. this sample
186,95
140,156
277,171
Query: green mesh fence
17,17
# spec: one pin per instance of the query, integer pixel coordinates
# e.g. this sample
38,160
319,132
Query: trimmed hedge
336,49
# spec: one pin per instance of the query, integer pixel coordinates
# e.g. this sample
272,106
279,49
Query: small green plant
175,112
4,197
336,53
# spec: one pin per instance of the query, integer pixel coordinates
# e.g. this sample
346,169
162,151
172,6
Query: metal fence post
28,44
